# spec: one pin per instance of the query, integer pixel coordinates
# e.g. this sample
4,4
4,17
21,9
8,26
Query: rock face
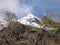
30,19
5,17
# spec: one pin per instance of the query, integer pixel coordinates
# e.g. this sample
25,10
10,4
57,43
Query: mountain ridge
30,19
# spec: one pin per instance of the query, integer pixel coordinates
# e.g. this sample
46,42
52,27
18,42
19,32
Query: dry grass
18,34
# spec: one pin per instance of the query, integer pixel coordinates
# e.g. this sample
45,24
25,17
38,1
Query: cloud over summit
14,6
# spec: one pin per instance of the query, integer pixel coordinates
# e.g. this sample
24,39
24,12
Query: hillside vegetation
19,34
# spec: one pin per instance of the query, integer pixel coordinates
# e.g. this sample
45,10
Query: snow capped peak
30,15
27,17
30,19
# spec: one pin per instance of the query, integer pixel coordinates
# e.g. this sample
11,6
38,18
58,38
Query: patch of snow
29,20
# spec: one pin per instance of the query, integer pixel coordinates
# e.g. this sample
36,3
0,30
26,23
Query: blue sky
36,7
40,7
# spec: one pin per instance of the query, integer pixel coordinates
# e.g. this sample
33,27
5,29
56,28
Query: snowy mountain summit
30,19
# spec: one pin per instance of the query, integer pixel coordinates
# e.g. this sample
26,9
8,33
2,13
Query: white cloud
14,6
